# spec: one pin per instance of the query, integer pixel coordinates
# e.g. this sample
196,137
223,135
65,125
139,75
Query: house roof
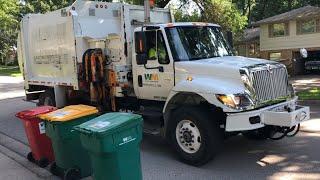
300,13
250,35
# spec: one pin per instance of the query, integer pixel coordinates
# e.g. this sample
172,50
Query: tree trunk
289,5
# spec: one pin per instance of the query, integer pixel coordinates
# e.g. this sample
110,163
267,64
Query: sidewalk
11,170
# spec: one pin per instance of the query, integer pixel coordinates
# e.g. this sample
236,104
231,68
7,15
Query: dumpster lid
69,113
108,122
31,113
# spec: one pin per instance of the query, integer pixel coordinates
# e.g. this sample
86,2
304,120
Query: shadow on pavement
240,158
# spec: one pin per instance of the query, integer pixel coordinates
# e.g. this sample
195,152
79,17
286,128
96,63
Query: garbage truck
182,77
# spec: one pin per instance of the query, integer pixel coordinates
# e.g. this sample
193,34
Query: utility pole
146,11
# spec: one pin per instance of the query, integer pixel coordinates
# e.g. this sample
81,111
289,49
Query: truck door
155,79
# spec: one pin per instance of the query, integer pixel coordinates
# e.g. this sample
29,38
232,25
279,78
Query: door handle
140,80
160,68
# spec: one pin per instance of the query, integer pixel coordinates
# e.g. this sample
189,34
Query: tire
30,157
47,98
43,162
205,133
54,169
72,174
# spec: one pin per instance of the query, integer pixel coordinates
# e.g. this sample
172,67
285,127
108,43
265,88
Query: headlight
236,101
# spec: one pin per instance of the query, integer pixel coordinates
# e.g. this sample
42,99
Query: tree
43,6
222,12
180,16
267,8
9,13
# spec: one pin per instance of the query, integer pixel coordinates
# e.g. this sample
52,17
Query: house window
278,30
307,26
275,56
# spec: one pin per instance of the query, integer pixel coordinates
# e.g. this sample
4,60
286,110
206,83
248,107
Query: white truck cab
182,77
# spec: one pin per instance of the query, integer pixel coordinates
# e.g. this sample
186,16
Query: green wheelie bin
72,161
113,142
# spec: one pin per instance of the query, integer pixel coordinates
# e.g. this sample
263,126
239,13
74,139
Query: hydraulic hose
286,132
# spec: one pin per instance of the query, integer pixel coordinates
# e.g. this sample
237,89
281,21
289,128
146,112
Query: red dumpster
40,145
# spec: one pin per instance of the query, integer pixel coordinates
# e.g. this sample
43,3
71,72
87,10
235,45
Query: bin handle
82,130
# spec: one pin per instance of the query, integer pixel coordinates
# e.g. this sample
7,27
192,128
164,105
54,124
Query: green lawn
310,94
10,71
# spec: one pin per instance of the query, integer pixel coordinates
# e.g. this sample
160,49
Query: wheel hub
188,136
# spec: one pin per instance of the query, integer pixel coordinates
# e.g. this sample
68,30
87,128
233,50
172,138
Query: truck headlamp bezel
236,101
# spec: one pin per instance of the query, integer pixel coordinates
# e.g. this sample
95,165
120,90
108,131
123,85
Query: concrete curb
17,151
9,98
13,97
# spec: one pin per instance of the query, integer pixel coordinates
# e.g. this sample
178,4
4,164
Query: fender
207,87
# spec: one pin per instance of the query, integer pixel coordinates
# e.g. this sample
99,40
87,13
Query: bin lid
108,122
31,113
69,113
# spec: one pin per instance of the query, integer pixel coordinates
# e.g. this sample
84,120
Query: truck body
182,77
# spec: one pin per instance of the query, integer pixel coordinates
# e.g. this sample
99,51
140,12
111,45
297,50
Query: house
249,44
282,36
10,57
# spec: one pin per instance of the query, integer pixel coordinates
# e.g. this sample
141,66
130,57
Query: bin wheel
43,162
30,157
72,174
54,169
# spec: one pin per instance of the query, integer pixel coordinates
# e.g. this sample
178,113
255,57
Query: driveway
305,82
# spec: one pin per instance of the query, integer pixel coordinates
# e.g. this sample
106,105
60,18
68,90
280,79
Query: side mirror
140,40
141,59
230,38
303,53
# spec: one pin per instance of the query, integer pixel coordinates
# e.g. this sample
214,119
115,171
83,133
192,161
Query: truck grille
269,82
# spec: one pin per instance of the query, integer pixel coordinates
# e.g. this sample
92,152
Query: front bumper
272,115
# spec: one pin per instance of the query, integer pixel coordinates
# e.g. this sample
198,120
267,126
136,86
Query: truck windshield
189,43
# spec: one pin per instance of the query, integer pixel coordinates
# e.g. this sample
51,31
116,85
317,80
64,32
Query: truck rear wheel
47,98
194,136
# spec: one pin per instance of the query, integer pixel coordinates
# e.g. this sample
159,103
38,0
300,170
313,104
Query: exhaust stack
146,11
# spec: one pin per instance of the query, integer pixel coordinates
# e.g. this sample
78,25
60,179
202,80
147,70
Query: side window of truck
156,49
151,44
162,53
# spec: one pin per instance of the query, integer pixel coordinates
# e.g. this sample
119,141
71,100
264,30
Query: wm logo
151,77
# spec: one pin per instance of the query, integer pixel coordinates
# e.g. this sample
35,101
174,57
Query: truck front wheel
195,136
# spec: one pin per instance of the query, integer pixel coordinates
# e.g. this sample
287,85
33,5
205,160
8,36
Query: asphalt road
290,158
